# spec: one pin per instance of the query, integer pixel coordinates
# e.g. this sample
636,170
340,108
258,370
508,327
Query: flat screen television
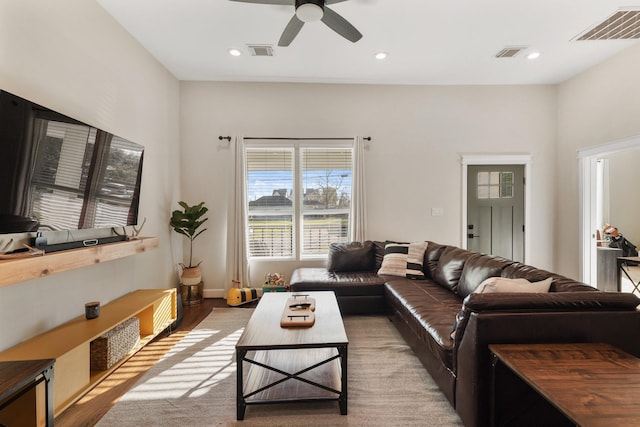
57,173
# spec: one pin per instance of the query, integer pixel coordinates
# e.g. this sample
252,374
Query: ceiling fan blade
290,31
282,2
340,25
333,1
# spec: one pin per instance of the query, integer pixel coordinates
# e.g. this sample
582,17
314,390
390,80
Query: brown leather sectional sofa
425,311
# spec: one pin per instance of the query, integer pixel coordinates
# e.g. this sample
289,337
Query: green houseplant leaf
188,222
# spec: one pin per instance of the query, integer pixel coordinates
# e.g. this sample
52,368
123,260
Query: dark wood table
19,377
592,384
292,364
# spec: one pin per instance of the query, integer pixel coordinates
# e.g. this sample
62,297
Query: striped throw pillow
404,259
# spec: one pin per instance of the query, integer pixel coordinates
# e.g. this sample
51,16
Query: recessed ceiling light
234,52
533,55
381,55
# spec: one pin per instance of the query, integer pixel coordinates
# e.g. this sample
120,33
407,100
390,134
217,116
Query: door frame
467,160
587,172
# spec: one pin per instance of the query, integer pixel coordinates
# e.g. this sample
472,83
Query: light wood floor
88,410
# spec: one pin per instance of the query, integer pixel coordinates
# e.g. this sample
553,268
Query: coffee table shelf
293,361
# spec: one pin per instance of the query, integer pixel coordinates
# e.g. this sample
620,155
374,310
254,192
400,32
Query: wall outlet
437,211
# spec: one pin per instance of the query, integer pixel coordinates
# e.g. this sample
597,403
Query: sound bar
80,244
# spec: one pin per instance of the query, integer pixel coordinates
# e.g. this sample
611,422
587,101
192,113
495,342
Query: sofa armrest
541,302
552,301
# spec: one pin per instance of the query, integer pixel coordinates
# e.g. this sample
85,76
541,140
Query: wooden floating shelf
21,269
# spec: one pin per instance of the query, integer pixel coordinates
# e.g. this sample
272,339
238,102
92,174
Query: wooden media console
69,343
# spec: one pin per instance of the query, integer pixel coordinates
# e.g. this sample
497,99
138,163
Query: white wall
70,56
597,107
412,164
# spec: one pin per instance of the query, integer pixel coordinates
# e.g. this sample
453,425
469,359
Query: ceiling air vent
624,24
260,49
510,51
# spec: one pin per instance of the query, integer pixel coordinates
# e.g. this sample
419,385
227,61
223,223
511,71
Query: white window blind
326,187
270,209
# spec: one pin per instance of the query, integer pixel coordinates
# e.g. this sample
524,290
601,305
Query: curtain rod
228,138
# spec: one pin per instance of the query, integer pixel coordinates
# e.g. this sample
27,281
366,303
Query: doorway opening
495,205
604,198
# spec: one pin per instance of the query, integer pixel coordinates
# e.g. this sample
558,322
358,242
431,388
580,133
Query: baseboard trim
214,293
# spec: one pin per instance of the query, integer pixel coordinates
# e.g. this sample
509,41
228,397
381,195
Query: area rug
194,384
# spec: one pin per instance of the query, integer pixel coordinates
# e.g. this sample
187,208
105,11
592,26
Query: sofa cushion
431,258
429,309
404,259
341,283
450,266
477,268
518,270
378,248
354,256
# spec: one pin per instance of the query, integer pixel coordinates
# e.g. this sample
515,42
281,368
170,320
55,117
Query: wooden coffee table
292,364
592,384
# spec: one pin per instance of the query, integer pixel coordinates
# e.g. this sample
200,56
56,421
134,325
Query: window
270,209
495,185
299,199
326,184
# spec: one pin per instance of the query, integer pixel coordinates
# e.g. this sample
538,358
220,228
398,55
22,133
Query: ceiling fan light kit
309,10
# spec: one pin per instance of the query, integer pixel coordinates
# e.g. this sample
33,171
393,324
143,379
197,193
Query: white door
495,210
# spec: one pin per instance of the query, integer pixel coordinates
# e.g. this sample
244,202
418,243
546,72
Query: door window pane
495,185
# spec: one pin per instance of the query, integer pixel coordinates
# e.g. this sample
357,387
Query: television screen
57,173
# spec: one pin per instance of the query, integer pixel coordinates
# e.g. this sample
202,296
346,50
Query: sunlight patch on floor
195,375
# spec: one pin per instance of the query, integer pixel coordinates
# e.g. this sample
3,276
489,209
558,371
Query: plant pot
192,294
191,275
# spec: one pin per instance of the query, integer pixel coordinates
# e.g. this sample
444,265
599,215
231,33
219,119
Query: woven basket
109,348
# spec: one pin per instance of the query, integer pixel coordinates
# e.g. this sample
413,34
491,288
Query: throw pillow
494,285
403,259
354,256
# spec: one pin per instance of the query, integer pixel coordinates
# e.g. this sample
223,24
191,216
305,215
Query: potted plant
188,222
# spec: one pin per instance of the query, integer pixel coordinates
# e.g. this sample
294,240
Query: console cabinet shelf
21,269
69,343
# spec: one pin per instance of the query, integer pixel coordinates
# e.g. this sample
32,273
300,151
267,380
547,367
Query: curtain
237,259
358,194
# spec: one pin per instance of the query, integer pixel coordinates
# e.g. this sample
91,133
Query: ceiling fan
310,11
